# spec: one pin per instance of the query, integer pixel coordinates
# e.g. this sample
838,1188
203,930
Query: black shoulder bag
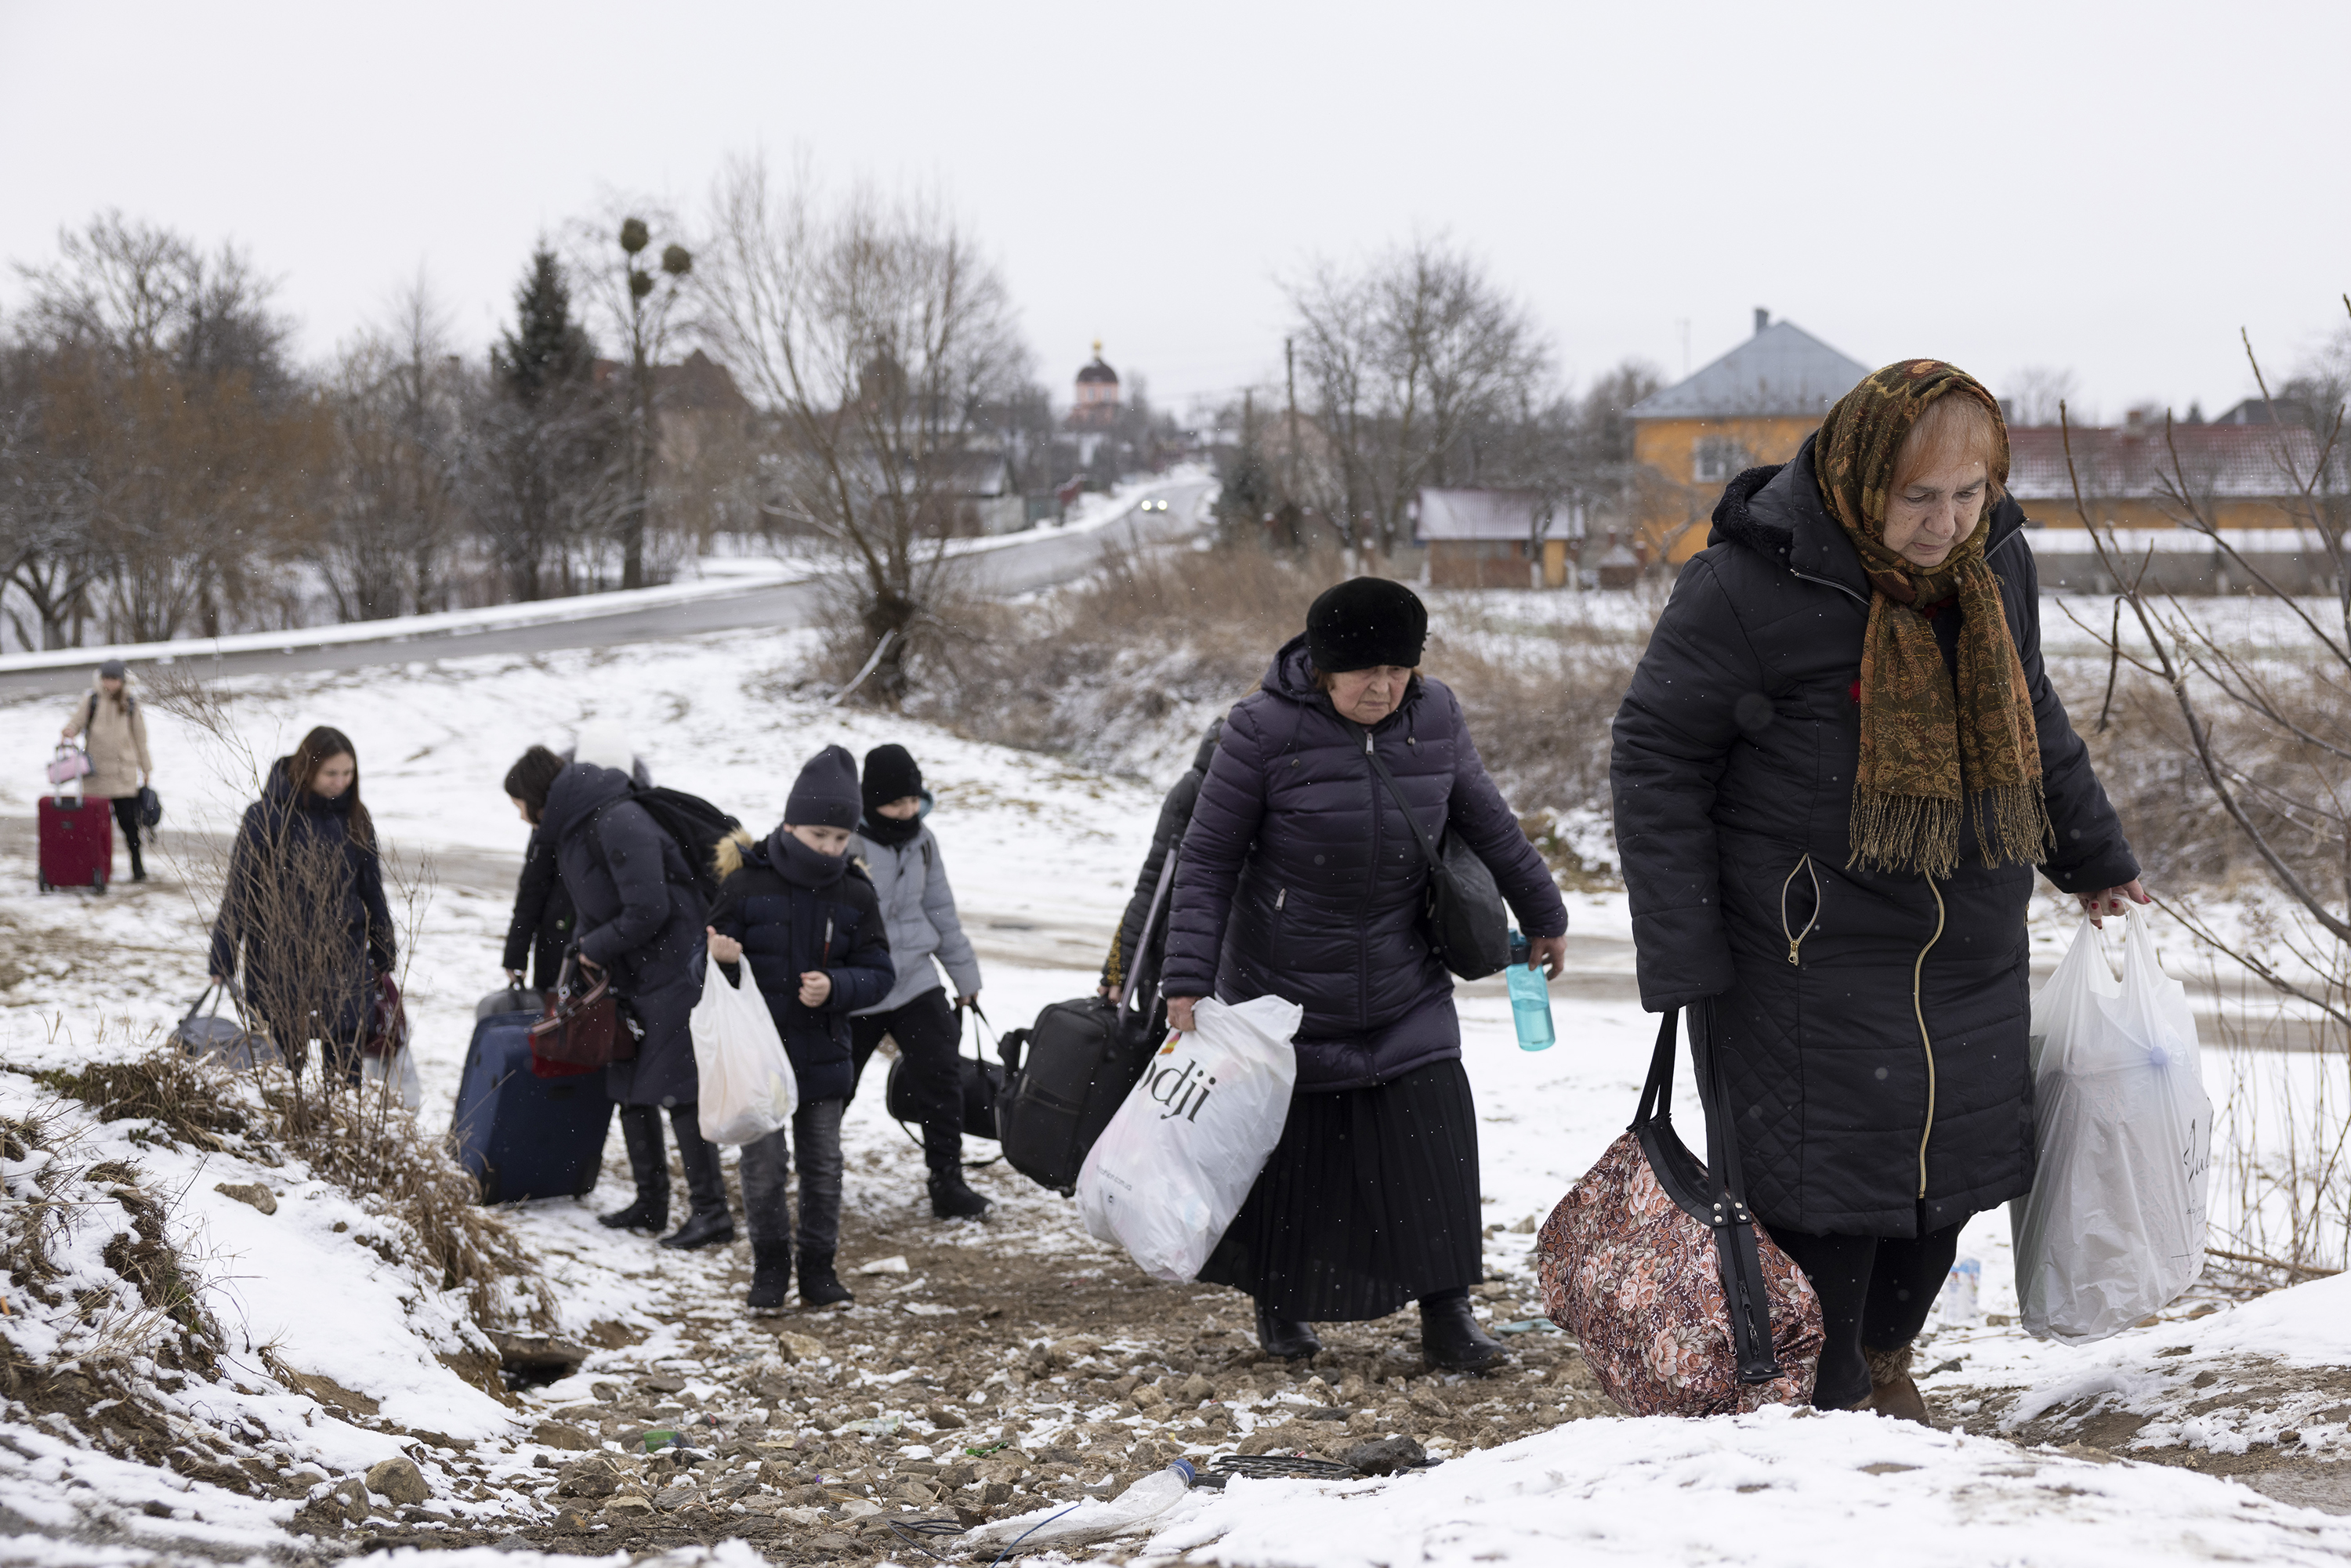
1464,920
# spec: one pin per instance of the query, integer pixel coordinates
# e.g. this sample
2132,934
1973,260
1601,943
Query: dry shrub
1123,669
2147,762
163,1087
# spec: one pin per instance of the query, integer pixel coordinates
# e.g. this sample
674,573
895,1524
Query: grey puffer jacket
1732,777
1300,878
919,908
639,916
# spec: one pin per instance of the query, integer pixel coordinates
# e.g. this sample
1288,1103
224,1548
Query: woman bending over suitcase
910,875
639,918
304,903
809,925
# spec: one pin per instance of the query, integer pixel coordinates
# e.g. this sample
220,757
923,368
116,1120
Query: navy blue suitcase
522,1135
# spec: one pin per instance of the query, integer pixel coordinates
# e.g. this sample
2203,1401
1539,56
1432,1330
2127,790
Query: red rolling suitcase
77,842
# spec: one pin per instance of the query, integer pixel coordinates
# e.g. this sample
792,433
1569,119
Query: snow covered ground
1041,855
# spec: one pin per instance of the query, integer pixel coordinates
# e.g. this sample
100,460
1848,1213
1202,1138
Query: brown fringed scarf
1924,747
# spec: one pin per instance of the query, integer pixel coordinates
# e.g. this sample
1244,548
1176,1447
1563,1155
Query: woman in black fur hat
1299,877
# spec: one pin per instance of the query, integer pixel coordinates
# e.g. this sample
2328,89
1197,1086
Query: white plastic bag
747,1087
1170,1171
398,1070
2114,1227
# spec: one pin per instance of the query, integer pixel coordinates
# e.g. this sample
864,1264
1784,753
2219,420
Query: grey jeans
766,1168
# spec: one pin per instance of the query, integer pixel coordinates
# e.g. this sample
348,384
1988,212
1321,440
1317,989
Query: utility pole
1290,460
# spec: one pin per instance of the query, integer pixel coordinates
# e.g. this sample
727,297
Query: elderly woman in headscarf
1837,767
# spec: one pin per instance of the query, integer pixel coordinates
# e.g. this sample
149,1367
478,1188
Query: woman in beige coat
117,751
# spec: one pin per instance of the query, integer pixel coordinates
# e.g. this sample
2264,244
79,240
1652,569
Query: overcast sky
2111,189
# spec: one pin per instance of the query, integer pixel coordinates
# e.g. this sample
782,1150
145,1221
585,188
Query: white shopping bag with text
2114,1227
747,1087
1170,1171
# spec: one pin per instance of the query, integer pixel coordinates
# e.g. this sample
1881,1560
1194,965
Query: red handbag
1682,1303
585,1028
387,1033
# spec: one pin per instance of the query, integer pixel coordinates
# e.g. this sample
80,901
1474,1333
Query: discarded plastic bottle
1156,1492
1530,997
1148,1498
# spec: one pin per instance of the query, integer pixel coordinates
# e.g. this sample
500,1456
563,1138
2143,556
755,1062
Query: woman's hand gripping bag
1170,1171
747,1087
2114,1227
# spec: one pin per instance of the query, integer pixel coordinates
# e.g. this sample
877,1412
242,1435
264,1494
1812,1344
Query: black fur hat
1365,621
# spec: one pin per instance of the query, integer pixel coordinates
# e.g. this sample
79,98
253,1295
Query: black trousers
126,817
1875,1292
930,1036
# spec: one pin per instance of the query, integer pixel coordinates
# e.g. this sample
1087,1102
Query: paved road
1033,563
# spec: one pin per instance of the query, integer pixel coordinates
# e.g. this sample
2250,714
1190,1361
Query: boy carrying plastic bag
1174,1166
2114,1227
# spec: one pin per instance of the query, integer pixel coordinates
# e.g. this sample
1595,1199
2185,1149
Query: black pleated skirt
1369,1201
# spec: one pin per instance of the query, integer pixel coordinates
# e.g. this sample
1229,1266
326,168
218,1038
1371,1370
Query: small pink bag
70,763
1682,1303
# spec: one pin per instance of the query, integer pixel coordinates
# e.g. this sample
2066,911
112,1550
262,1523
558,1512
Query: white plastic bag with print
2114,1227
1170,1171
747,1087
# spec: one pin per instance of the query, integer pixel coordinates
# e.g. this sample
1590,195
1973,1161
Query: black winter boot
952,1197
820,1286
1283,1339
1450,1338
640,1133
772,1275
709,1224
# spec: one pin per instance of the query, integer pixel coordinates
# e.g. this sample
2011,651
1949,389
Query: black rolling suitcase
522,1135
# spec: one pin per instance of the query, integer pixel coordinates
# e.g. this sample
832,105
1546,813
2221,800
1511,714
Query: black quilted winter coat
1862,1099
638,915
1299,876
793,913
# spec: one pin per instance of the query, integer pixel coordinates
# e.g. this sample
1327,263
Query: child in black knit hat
910,876
806,920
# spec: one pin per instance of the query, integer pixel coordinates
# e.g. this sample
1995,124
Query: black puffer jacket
1298,841
541,926
1735,753
1127,952
795,910
304,900
639,916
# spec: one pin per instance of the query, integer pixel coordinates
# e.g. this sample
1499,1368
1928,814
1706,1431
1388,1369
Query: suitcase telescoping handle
1150,925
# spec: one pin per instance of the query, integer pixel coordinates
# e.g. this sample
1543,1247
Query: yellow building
1754,405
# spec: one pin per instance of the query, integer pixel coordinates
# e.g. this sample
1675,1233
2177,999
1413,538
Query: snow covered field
1041,855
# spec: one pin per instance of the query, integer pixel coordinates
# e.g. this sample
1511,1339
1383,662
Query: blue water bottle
1530,997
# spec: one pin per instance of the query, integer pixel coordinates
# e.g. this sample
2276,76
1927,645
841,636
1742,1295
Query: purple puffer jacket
1296,838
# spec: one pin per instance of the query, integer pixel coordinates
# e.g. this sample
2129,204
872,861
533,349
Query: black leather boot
641,1133
952,1197
709,1224
772,1275
1450,1338
820,1286
1284,1340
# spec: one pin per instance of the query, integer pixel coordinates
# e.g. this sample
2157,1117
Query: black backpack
695,824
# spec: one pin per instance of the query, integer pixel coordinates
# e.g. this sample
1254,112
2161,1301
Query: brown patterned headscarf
1929,749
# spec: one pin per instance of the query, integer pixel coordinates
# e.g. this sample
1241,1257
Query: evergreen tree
545,351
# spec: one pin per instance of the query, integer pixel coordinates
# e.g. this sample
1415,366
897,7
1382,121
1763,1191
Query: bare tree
646,315
192,449
876,335
1403,358
396,394
2036,393
2264,730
